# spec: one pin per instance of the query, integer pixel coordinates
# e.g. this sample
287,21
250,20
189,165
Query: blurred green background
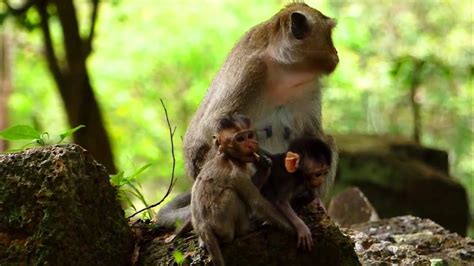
147,50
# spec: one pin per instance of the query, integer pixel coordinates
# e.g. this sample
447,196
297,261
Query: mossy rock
58,207
266,246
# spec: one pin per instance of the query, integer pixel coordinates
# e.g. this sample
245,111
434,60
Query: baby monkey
298,172
223,195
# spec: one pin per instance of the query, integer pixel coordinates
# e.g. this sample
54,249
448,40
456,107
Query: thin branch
19,10
173,179
88,42
48,43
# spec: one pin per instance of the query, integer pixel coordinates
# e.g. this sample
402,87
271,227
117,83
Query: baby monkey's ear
292,161
216,142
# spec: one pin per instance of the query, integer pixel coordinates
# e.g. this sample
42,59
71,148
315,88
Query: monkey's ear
292,161
299,25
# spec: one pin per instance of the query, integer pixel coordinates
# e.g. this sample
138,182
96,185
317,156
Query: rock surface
57,207
266,246
409,240
400,177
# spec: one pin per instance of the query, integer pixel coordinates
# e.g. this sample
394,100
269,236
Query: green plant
25,132
179,257
130,187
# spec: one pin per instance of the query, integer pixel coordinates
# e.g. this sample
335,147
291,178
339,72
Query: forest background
406,69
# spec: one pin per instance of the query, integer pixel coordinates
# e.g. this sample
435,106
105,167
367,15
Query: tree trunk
5,79
73,81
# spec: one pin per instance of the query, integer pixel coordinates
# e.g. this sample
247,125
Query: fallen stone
351,207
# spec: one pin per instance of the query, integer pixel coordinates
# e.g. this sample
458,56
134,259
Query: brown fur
223,196
272,78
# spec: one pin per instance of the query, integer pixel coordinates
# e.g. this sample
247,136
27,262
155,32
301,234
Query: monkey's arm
305,239
249,193
263,166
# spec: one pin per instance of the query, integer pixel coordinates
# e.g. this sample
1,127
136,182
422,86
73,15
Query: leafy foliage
25,132
129,187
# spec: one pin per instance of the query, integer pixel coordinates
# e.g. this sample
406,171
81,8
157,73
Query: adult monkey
273,77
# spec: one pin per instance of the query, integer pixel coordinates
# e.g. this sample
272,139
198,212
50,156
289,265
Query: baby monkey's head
236,138
309,158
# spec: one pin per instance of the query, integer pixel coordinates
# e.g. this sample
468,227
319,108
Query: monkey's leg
259,205
243,225
212,245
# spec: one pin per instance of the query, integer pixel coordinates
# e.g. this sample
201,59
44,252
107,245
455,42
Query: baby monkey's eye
251,135
240,138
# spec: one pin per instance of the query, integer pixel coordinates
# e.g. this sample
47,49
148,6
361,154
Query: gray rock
409,240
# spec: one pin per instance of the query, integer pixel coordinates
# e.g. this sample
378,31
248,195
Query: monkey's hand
264,161
305,240
263,166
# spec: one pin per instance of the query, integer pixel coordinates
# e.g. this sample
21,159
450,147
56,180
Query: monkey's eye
240,138
251,135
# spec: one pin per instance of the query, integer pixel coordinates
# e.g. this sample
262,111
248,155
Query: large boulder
400,177
57,207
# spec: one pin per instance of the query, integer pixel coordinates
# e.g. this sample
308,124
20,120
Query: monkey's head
236,138
302,35
309,158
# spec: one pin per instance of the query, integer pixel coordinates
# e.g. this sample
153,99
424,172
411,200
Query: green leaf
139,171
20,132
69,132
179,257
117,178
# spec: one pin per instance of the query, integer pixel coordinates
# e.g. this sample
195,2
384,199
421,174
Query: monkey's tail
177,210
212,246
